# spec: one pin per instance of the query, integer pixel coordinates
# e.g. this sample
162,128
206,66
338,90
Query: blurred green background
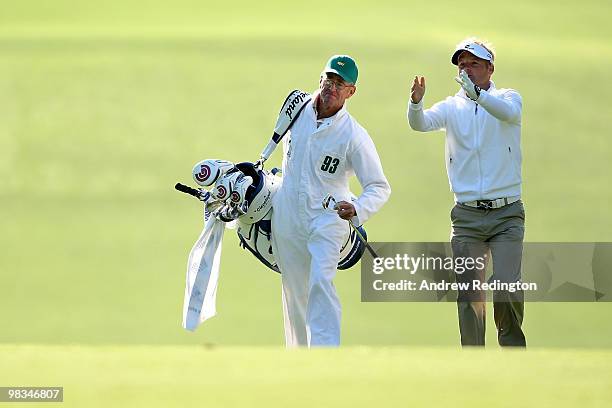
105,105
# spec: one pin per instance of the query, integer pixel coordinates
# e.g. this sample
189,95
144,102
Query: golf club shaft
362,239
326,205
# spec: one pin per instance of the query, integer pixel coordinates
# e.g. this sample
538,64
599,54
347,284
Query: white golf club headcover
208,171
239,190
290,110
225,185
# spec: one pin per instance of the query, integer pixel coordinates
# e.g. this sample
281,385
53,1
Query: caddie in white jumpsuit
325,147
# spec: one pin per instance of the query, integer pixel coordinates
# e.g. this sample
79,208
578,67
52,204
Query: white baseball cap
473,48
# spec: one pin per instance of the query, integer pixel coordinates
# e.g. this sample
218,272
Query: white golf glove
472,91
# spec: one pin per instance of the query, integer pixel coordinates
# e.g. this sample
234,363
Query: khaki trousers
495,234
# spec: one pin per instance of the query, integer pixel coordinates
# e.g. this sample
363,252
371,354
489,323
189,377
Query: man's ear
352,91
491,68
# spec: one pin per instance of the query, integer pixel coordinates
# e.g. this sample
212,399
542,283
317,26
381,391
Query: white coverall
319,158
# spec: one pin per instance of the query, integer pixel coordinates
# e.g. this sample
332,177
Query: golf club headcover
207,172
225,185
289,112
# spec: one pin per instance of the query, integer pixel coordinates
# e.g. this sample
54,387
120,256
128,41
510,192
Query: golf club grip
188,190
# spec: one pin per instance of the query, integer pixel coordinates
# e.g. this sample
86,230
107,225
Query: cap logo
341,63
475,47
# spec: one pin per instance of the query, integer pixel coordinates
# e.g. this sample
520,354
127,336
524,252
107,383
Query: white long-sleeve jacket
320,157
483,141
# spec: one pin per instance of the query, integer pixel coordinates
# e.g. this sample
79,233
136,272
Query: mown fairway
192,376
104,106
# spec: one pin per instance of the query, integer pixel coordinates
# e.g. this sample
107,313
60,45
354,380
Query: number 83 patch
329,164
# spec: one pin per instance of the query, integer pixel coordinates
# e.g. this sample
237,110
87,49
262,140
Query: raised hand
471,90
418,89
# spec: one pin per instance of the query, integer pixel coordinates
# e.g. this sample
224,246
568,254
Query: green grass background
105,105
151,376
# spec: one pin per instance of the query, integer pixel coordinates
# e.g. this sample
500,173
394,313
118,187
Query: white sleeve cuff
415,106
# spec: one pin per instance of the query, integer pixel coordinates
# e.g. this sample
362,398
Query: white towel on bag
203,275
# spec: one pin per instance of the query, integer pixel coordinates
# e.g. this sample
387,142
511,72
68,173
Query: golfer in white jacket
324,148
483,162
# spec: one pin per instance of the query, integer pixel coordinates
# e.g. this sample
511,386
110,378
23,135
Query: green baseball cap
344,66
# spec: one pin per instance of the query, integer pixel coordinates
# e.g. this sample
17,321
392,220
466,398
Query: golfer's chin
329,101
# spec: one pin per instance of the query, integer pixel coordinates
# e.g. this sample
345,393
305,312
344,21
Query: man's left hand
472,91
346,210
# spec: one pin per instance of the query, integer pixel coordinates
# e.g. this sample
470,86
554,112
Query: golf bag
254,228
